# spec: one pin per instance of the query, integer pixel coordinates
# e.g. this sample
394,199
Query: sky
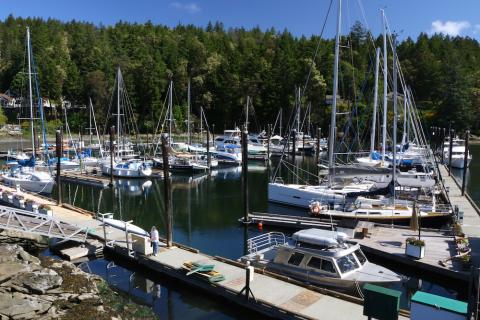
301,17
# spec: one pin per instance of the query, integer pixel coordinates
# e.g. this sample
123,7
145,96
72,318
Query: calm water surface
206,210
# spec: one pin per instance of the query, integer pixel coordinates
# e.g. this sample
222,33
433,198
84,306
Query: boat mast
395,111
170,105
188,112
90,119
29,50
405,98
331,162
118,111
375,104
281,120
298,110
385,88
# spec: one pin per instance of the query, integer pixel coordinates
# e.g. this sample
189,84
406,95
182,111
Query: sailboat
332,193
132,167
25,176
86,158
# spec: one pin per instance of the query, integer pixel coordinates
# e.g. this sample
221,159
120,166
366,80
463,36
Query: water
206,210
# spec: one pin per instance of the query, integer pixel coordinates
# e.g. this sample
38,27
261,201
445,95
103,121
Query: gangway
40,224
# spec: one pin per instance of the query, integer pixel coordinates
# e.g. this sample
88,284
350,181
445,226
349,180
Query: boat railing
266,240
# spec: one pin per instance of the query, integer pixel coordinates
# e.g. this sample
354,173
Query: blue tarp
27,163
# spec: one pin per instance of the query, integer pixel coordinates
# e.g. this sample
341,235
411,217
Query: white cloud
190,7
450,28
476,29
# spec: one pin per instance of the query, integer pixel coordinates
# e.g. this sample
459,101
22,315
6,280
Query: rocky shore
45,288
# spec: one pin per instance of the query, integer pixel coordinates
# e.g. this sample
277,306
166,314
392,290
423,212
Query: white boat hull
40,186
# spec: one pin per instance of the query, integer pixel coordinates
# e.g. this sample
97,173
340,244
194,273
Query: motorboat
133,168
315,256
458,154
229,154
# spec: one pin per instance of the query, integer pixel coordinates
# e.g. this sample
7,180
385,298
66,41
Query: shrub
416,242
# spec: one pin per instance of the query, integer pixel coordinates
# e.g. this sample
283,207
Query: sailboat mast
188,112
405,101
90,120
298,110
29,50
375,103
119,75
170,106
331,142
385,88
281,120
395,111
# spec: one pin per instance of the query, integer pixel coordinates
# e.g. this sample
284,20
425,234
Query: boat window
347,263
327,266
295,259
315,263
360,256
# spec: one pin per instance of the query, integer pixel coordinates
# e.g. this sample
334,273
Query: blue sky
409,17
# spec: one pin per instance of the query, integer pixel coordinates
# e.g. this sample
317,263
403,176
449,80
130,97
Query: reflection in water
206,209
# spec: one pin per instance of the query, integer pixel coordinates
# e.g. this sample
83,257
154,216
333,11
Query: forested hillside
77,60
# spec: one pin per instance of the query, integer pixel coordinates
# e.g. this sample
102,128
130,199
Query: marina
187,172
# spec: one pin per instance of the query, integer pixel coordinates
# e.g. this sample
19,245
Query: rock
100,309
39,281
28,257
11,268
86,296
24,316
13,307
18,288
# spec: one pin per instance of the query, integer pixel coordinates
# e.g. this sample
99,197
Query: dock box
381,303
141,244
426,306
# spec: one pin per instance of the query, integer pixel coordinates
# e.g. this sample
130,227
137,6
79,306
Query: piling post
112,137
443,145
246,217
167,191
58,149
303,143
450,153
465,162
209,156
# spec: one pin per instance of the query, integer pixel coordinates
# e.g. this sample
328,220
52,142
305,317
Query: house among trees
7,101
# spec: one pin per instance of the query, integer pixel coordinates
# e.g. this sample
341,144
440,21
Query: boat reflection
134,187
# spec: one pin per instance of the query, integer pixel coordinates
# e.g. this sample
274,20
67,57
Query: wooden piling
246,218
294,138
58,150
465,162
443,146
317,155
167,191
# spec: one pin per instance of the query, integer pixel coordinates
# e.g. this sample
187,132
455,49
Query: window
315,263
327,266
347,263
360,256
295,259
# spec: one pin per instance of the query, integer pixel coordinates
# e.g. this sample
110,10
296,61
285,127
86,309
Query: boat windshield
360,256
347,263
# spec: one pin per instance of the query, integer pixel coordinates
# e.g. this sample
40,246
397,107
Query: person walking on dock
154,240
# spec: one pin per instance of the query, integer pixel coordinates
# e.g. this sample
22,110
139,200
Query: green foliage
77,61
53,125
3,117
416,242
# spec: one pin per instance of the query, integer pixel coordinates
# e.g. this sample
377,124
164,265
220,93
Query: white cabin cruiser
127,169
316,256
458,154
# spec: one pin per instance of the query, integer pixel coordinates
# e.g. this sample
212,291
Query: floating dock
275,296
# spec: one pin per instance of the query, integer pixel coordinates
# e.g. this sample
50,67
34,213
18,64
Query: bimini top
324,238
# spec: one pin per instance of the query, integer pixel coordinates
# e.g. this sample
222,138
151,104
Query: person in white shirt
154,240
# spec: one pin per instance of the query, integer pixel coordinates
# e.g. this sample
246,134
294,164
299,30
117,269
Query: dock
289,298
88,179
